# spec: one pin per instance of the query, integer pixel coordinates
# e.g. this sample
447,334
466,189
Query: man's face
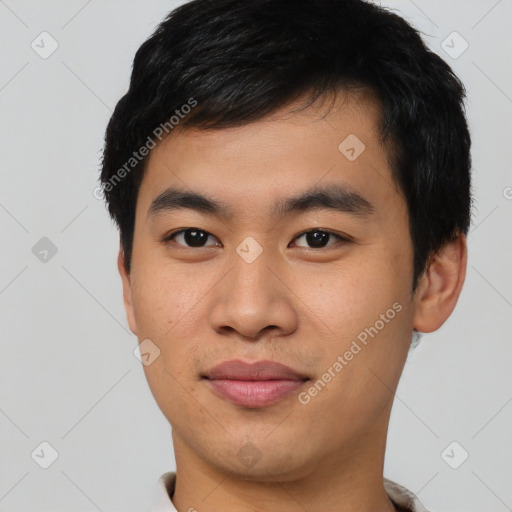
253,286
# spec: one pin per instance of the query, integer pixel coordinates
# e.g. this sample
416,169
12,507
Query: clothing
397,494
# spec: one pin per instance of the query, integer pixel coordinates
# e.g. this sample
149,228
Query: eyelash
343,239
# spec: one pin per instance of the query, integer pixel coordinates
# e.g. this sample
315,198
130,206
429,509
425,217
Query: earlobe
440,287
127,292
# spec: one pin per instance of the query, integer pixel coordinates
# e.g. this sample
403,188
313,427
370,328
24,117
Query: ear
127,291
440,286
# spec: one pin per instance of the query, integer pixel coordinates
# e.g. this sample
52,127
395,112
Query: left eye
318,239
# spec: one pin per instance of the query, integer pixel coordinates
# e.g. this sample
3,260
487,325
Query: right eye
192,237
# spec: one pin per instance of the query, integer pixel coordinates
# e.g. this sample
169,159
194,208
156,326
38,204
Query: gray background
68,375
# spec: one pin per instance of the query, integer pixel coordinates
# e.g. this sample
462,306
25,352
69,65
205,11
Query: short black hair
238,61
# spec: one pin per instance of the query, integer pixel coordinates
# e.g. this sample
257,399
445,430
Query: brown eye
317,239
190,237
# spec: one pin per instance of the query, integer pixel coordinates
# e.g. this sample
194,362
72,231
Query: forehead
286,153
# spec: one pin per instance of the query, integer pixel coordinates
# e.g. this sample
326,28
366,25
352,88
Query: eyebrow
328,197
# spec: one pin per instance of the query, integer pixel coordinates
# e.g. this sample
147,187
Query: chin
263,461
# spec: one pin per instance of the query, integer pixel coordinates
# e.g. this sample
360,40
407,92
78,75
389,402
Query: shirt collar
398,494
164,490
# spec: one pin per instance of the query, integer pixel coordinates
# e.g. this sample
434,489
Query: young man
291,180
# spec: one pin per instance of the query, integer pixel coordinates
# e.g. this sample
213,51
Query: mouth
253,385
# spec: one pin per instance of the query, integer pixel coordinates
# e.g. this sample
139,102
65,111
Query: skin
294,304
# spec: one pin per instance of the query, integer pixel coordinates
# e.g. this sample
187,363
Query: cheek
166,306
169,380
366,305
163,297
349,295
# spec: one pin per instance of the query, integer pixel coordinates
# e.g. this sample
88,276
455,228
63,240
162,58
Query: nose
254,299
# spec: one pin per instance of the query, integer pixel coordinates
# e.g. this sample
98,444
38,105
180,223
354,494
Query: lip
258,384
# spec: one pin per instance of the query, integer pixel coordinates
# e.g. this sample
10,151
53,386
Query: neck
348,479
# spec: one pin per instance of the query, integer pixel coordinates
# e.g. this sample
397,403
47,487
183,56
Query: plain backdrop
68,374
